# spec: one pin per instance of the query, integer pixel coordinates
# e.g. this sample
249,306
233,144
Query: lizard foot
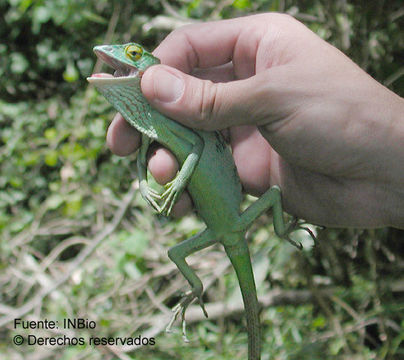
150,196
295,225
170,196
181,308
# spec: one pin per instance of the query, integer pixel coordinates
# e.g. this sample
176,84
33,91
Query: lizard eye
134,52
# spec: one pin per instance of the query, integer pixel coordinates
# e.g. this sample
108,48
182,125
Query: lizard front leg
183,137
177,254
173,189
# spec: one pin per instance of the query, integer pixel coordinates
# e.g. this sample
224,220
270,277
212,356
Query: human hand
334,131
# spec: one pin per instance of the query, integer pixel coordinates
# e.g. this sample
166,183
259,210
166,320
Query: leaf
336,345
50,134
91,16
241,4
71,74
54,201
73,204
318,322
51,158
134,243
19,64
131,270
16,182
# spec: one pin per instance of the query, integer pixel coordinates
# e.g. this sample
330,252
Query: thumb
204,104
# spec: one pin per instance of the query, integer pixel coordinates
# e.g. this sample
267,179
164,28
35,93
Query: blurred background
77,240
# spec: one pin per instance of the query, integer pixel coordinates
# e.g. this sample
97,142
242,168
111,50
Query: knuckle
285,19
178,33
182,33
285,16
279,16
208,103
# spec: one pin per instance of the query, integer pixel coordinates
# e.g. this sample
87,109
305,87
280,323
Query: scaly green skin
207,171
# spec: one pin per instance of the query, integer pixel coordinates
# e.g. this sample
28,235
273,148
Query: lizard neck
125,96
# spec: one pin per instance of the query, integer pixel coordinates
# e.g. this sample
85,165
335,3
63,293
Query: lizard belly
215,186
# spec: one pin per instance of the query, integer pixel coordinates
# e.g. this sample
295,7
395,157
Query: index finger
212,43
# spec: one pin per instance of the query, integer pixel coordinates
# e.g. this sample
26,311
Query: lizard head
128,60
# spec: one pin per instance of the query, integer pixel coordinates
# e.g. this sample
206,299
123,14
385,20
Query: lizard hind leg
272,199
177,254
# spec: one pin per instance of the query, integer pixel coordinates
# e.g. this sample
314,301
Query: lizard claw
181,308
202,305
295,225
296,244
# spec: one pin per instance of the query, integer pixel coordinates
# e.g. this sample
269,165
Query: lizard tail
239,256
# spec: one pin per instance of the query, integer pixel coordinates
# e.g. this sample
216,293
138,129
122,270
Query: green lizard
207,171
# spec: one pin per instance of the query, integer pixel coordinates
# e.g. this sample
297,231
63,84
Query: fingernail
167,86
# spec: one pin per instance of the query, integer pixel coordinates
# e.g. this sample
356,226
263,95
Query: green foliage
60,189
44,45
41,40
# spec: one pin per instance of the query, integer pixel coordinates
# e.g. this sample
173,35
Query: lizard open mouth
122,70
